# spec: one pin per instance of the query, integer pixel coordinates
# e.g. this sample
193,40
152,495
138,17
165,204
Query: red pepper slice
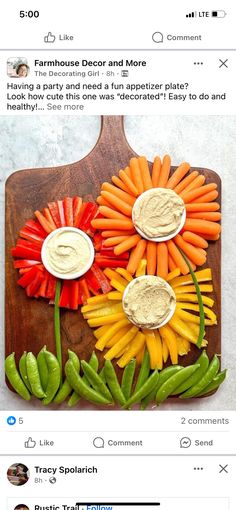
106,262
79,295
92,281
24,263
43,287
53,208
97,241
61,213
65,295
101,278
24,270
68,210
79,215
77,205
26,253
109,252
33,287
34,226
84,291
23,243
31,236
28,277
51,288
74,294
88,215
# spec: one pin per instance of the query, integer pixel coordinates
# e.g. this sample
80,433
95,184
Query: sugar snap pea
145,389
149,398
54,377
206,379
203,362
23,370
173,382
75,397
33,375
144,371
81,388
102,374
66,388
96,381
14,377
166,373
42,367
215,383
127,379
113,383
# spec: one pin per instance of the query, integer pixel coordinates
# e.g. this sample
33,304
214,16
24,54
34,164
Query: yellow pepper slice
202,276
165,351
192,288
122,343
123,272
183,345
139,356
100,331
102,342
190,317
182,329
117,285
113,275
192,298
115,295
169,336
173,274
118,336
107,310
134,347
107,319
97,299
190,306
151,347
141,269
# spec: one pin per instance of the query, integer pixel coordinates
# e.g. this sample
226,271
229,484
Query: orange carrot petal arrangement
154,233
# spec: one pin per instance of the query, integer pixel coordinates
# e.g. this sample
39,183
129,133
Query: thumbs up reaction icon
49,38
30,443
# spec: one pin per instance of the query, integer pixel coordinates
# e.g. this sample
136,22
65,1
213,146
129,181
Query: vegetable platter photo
113,267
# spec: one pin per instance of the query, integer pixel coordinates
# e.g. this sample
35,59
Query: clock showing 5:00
29,14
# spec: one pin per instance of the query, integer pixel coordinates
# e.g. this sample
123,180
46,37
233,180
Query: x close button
223,63
223,469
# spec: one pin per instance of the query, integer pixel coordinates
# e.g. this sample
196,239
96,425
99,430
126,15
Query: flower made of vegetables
117,225
123,341
34,277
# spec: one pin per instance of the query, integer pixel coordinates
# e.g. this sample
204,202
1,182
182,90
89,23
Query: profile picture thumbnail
18,474
17,67
21,507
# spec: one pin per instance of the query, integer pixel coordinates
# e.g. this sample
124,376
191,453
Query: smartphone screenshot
118,228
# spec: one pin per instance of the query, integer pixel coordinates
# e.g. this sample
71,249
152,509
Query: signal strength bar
191,14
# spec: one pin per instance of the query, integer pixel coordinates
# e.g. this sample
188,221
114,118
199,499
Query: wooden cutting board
29,321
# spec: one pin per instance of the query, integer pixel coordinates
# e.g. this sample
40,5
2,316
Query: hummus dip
148,301
158,213
67,252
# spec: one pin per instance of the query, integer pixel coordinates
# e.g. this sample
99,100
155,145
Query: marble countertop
37,141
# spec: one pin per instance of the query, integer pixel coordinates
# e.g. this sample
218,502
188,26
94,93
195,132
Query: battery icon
218,14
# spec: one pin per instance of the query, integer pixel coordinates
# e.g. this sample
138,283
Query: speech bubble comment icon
98,442
157,37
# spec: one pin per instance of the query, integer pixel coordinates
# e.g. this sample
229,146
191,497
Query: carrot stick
111,213
49,217
118,182
145,173
165,171
151,258
136,255
156,169
196,183
128,182
177,257
127,244
210,216
191,196
209,237
136,175
192,252
197,207
195,239
126,197
171,264
113,241
193,267
43,222
113,233
202,226
178,175
128,172
162,260
101,201
208,197
117,202
185,182
106,224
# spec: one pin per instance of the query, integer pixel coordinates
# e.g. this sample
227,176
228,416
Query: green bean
215,383
57,327
75,398
23,370
145,389
54,377
203,362
113,383
144,371
81,388
66,389
42,367
14,377
206,379
96,381
33,375
127,378
173,382
166,373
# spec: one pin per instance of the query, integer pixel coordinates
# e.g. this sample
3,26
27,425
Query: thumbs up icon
49,38
30,443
